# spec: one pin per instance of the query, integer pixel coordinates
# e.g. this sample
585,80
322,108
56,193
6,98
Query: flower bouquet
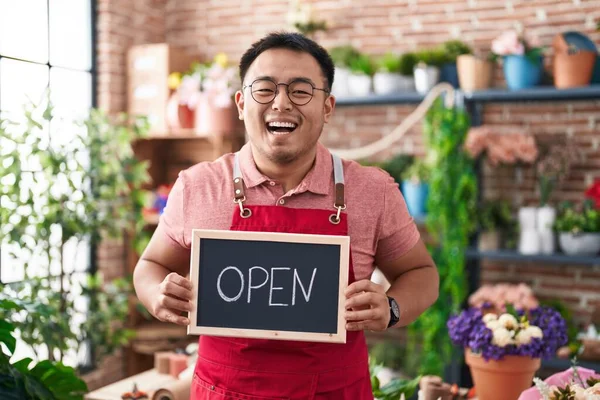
573,384
522,59
504,349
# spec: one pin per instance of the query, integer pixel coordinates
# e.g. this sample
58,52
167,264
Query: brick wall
207,27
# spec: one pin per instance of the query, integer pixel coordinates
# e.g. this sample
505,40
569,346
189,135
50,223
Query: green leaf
6,337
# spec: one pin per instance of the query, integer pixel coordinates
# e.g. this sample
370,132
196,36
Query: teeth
277,124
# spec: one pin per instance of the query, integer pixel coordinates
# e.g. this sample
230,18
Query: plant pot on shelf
579,244
359,84
522,72
178,116
415,194
341,86
504,379
573,70
489,241
387,83
426,77
529,239
213,120
449,74
544,220
474,73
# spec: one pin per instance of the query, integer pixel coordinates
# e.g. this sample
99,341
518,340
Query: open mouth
281,128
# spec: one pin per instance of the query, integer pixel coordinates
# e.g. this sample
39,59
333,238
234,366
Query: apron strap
238,187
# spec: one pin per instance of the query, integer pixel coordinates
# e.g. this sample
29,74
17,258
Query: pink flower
508,43
559,380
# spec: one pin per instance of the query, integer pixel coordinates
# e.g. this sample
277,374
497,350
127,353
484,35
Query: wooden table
148,381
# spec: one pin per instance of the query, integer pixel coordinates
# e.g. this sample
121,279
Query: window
48,44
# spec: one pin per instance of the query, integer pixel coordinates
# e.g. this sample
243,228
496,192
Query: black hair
291,41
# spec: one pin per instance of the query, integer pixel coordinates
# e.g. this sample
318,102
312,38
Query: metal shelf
540,93
563,364
375,100
509,255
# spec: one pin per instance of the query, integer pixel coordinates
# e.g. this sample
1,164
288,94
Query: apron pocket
202,390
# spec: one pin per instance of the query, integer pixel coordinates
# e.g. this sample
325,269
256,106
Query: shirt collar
318,180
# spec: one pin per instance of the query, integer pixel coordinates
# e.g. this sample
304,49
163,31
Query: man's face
282,131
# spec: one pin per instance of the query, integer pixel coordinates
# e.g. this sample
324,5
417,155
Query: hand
174,297
367,306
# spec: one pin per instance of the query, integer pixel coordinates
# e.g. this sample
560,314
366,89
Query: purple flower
467,329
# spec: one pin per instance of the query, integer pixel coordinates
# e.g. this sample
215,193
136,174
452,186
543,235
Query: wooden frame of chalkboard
214,317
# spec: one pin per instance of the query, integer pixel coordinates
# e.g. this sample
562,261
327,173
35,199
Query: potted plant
552,169
504,347
408,61
578,228
361,73
475,71
495,218
573,66
522,60
387,79
427,70
342,57
415,187
452,50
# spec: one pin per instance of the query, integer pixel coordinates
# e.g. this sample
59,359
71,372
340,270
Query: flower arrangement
573,384
500,295
535,333
301,17
501,148
511,43
217,80
593,193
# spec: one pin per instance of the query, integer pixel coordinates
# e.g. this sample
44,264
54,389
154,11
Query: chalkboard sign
269,285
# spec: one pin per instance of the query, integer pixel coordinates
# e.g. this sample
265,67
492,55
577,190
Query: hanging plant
450,222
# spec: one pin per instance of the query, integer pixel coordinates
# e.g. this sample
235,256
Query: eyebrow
297,78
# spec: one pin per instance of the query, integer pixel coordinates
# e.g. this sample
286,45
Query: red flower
593,192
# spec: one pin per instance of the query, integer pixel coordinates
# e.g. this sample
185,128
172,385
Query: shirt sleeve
172,220
398,232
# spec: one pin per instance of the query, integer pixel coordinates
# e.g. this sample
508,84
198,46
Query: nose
281,102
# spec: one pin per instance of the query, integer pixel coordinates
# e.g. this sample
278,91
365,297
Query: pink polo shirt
380,226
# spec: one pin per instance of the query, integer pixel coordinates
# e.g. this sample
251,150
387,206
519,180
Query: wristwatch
394,312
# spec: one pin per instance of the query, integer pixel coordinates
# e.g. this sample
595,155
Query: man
285,180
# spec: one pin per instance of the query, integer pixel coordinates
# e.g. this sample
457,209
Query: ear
240,103
328,108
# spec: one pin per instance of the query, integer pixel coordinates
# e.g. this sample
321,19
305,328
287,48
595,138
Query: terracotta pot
474,73
501,380
179,116
573,70
489,241
211,120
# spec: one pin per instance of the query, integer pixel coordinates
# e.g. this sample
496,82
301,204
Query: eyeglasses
299,91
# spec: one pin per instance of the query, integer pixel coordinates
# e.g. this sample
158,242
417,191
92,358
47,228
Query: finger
364,325
173,289
174,304
364,285
174,318
179,280
364,315
361,300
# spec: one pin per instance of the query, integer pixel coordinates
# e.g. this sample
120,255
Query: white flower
489,317
502,337
535,332
493,325
508,321
523,337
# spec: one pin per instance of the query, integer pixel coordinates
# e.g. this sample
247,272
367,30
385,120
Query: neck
288,175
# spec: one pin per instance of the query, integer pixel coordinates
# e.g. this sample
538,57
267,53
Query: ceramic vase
545,217
529,240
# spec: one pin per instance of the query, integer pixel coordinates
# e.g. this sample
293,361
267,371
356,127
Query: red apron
264,369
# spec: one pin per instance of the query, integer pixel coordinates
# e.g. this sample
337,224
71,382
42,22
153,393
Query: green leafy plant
434,57
62,193
363,64
495,216
418,171
584,218
394,389
450,222
45,380
408,61
389,62
343,56
454,48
